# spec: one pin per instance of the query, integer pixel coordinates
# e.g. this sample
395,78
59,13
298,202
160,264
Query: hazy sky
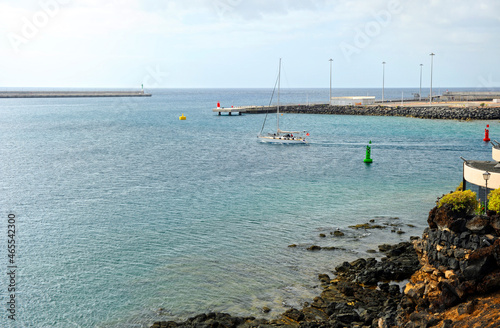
237,43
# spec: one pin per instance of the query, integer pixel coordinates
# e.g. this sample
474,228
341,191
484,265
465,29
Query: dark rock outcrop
209,320
459,256
401,262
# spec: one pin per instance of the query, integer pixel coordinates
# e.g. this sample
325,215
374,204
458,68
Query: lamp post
486,177
330,99
430,97
383,80
420,89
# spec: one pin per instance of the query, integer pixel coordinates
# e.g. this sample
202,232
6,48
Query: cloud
97,37
455,22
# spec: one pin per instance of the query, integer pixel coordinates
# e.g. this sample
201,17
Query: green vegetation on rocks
460,201
494,200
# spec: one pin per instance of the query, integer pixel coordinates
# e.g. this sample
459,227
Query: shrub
460,187
480,210
494,200
461,201
482,104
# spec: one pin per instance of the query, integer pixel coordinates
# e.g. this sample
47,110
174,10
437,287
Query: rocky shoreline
357,295
452,274
425,112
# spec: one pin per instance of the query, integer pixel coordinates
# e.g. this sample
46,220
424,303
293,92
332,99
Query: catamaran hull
282,140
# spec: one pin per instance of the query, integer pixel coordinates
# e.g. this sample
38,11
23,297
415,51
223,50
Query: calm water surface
122,209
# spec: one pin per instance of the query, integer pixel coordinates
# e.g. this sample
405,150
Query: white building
475,172
353,101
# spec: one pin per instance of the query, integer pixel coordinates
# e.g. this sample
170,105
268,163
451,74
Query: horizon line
183,87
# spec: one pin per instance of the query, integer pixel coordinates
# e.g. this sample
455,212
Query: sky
237,43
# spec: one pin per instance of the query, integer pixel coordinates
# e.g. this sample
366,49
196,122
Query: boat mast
278,106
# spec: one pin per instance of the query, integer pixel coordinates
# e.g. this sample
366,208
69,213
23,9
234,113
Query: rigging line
270,101
283,72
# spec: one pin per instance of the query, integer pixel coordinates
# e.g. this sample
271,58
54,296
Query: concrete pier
437,110
71,94
230,110
245,109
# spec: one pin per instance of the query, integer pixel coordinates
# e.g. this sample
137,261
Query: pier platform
229,110
71,94
245,109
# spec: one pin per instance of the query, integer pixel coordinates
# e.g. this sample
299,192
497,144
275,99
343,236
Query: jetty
460,105
465,110
71,94
229,110
245,109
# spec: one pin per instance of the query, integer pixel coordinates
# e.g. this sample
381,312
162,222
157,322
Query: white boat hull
282,140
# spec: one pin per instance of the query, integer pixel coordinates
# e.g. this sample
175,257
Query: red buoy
218,104
487,133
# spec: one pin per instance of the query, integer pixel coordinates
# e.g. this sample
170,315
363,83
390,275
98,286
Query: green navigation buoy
368,160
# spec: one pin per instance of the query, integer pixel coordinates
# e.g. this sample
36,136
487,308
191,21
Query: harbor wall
71,94
427,112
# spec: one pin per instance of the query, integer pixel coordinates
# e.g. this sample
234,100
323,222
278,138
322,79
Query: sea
124,215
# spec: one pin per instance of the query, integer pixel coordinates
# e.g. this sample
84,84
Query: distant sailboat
282,137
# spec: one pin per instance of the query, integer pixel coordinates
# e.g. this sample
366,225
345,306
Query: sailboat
281,136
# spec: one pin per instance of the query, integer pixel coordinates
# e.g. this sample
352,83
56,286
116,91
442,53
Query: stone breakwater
71,94
453,275
426,112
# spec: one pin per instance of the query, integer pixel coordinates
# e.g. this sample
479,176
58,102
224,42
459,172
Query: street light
486,177
420,90
330,101
432,56
383,80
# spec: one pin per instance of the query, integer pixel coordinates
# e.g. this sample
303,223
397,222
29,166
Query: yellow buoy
182,117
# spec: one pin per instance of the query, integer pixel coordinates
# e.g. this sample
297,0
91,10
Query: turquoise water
123,210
